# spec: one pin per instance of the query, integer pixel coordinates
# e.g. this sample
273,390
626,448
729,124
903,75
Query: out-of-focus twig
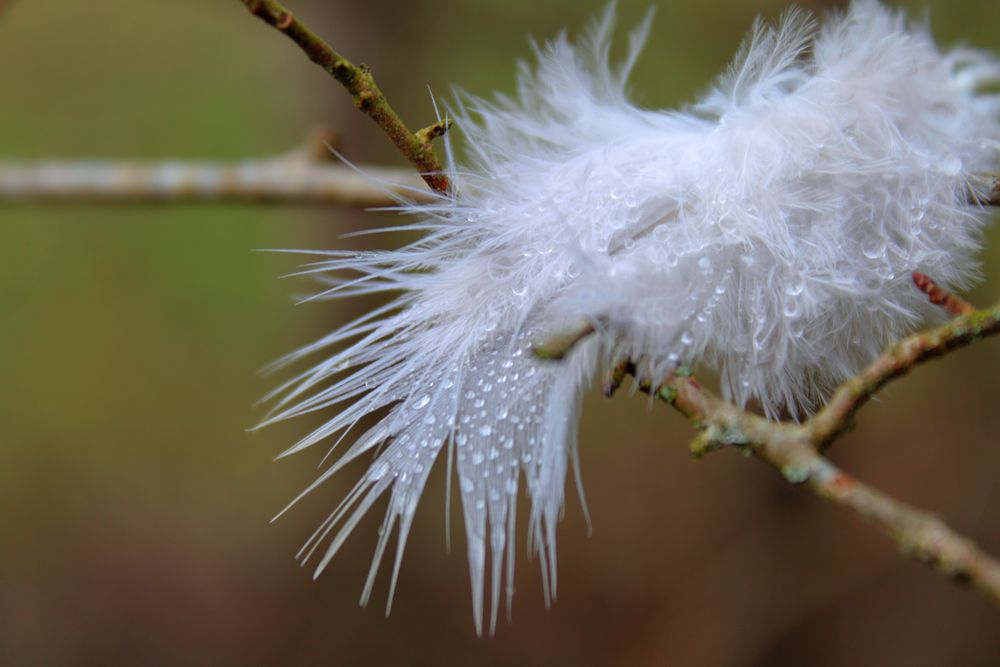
251,181
939,296
359,82
306,175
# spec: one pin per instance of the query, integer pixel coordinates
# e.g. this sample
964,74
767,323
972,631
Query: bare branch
836,416
360,83
251,181
792,449
306,175
940,296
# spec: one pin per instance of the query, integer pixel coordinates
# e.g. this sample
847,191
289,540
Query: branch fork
795,449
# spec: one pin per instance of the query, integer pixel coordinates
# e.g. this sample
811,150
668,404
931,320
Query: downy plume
767,232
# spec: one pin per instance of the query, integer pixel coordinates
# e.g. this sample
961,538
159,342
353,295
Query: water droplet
486,430
873,248
796,287
378,471
466,484
422,402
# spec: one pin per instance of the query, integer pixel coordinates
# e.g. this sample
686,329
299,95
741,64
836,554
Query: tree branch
249,181
940,296
837,414
359,82
306,175
793,449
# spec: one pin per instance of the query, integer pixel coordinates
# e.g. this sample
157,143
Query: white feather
768,232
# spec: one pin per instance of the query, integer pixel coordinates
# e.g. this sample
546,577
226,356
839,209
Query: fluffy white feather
768,232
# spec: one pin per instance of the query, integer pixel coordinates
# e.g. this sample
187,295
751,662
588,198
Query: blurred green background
135,504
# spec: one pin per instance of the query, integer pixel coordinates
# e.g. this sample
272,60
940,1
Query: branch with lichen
359,82
794,449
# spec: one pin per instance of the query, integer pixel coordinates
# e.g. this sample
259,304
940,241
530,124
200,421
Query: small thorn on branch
559,346
940,296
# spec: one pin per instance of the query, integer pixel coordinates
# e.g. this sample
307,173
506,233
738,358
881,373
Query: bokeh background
134,504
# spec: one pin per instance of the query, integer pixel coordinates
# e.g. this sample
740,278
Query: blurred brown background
135,506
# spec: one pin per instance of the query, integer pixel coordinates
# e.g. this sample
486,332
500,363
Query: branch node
704,443
432,132
667,394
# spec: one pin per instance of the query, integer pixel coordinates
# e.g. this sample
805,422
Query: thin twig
939,296
306,175
250,181
360,83
837,414
793,449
